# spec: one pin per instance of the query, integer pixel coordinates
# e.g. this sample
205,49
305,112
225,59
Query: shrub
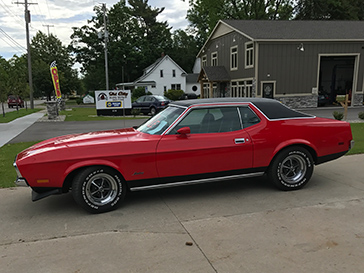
135,111
361,115
137,92
79,101
338,115
173,94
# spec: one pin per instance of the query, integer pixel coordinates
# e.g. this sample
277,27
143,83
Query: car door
217,144
139,103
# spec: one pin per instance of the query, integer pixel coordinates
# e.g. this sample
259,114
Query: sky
59,16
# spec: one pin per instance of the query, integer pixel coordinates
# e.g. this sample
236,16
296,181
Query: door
217,144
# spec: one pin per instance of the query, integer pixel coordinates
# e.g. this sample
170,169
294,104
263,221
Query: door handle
239,140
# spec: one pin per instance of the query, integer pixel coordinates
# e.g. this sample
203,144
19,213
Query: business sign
55,79
113,99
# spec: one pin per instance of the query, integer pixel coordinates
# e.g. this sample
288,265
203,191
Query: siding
296,72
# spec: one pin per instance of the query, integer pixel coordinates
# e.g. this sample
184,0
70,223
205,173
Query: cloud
58,17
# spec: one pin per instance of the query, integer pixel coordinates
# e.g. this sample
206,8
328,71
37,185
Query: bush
135,111
338,115
137,92
173,94
79,100
361,115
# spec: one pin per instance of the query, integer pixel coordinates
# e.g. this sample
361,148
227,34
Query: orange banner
54,73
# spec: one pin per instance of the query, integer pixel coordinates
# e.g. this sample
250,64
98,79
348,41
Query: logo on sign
113,104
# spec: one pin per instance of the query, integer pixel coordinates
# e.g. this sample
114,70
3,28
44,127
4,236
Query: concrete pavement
233,226
11,129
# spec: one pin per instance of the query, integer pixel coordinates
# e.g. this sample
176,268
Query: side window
141,99
211,120
248,117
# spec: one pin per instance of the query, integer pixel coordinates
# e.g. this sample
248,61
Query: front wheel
153,111
291,169
98,189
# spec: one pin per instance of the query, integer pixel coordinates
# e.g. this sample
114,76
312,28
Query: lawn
7,156
17,114
90,114
9,151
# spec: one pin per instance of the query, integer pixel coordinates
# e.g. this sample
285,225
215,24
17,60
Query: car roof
271,108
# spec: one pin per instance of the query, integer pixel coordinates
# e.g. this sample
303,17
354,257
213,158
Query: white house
165,74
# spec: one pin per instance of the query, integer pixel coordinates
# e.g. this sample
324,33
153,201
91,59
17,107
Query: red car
191,141
14,101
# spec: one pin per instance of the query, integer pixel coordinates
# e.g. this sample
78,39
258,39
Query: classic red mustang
191,141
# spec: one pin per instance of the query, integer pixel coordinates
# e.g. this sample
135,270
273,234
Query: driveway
235,226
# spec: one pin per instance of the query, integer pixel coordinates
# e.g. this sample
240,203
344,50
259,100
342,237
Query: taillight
162,103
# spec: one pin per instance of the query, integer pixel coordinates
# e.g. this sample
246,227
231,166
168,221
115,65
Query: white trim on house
249,55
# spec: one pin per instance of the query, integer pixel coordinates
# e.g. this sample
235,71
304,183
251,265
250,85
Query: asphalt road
236,226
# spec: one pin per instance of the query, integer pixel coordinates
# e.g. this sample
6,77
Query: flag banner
54,73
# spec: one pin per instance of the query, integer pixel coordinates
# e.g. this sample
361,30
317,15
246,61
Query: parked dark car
15,101
188,96
323,99
151,104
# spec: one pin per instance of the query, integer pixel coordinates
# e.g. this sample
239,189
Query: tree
135,40
329,10
46,49
4,68
204,14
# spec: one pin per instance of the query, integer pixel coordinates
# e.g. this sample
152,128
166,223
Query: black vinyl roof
271,108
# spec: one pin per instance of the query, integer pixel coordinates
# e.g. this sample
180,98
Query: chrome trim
21,182
351,145
199,181
239,140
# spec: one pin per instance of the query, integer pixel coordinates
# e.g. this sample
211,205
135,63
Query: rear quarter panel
324,137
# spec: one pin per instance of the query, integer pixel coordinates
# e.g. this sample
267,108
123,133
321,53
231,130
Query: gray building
291,61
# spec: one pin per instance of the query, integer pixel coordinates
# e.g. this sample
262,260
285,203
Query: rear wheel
291,169
98,189
153,111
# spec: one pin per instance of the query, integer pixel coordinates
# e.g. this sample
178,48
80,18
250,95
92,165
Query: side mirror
184,131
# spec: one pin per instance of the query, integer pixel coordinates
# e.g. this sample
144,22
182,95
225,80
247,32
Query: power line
12,40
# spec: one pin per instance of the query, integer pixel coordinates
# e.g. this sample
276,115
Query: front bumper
20,181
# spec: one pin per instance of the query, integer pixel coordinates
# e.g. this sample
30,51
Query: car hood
67,144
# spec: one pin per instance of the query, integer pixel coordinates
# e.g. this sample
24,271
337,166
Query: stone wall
299,102
358,99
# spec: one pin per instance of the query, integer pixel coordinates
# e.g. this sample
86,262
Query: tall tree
204,14
4,68
329,10
46,49
135,40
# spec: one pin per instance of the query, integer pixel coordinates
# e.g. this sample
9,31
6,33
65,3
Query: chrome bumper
351,144
21,182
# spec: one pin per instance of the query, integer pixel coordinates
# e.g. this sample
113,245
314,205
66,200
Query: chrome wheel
101,189
293,169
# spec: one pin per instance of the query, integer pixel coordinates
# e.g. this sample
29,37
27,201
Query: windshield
160,122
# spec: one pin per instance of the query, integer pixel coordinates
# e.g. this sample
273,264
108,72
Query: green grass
7,156
9,151
358,136
17,114
90,114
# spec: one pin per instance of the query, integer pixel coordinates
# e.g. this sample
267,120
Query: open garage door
336,78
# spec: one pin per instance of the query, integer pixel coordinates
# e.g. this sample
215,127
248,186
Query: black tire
291,169
98,189
153,111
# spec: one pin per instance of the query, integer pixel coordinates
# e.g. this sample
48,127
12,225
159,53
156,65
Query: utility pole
27,21
48,26
106,36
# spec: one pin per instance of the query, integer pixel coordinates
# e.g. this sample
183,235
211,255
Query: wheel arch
75,169
306,146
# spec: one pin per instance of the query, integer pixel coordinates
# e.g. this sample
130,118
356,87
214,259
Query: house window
249,55
176,86
204,60
234,58
214,59
165,88
240,89
173,73
161,73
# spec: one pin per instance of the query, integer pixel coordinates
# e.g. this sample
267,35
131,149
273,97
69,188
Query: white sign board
113,99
